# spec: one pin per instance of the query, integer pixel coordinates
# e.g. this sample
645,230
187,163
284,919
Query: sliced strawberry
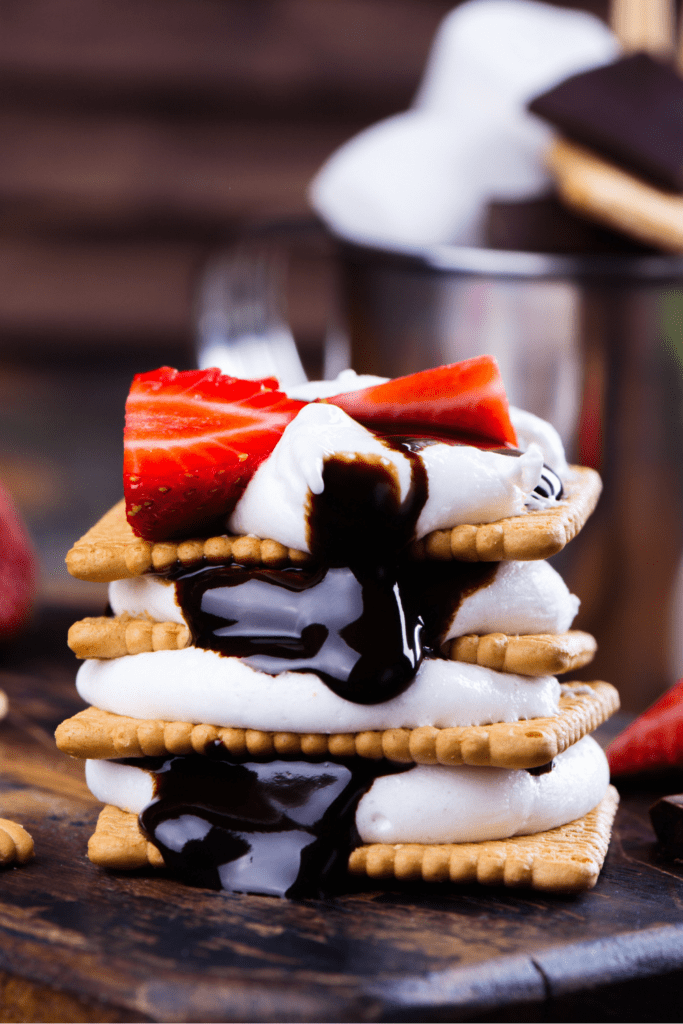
654,740
192,441
17,570
464,400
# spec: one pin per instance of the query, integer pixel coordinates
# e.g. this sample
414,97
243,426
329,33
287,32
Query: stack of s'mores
356,675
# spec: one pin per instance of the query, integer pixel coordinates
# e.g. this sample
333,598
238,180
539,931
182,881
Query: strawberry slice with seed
192,441
465,401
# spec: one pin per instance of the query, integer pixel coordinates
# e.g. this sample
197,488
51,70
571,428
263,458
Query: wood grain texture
81,943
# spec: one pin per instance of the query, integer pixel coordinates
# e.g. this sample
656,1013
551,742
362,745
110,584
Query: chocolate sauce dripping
364,633
359,518
280,828
362,622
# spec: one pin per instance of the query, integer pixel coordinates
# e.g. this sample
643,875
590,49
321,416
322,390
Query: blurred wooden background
136,138
136,135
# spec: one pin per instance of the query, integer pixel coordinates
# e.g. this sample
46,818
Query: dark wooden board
78,943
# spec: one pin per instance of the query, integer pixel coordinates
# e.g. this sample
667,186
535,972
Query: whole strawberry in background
18,573
18,578
654,740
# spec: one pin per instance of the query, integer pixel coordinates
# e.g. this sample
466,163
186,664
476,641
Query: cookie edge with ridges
110,550
568,858
534,536
529,743
565,859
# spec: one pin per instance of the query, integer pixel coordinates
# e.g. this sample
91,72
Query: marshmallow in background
424,177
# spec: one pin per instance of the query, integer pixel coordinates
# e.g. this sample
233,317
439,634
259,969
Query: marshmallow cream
523,597
431,803
464,484
194,685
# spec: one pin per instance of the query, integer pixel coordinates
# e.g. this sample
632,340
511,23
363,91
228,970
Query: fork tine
241,324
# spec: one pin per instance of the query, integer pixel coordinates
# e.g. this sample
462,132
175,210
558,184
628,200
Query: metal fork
241,321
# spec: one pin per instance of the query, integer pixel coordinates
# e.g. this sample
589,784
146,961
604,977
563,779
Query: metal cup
595,345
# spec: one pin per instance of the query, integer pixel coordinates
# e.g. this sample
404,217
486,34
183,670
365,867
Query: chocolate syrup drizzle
364,632
362,619
280,828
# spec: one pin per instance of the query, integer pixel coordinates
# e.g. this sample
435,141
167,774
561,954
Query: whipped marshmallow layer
464,484
523,597
432,803
201,686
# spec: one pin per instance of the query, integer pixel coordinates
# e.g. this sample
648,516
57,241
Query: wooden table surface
81,944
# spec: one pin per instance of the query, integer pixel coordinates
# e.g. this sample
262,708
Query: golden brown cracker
537,654
16,845
114,637
528,537
604,192
111,551
527,744
118,843
564,859
533,655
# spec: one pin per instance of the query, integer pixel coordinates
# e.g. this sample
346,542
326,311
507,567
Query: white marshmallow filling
200,686
524,597
465,484
432,803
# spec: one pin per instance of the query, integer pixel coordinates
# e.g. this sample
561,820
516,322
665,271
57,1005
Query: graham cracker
565,859
535,654
111,551
16,845
603,191
117,636
534,535
118,842
527,744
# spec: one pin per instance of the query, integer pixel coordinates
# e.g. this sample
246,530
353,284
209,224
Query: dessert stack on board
537,765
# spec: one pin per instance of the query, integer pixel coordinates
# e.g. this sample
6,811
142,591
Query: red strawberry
17,569
654,740
192,441
464,400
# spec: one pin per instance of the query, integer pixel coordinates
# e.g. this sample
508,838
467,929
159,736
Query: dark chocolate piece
667,821
545,225
279,828
630,112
